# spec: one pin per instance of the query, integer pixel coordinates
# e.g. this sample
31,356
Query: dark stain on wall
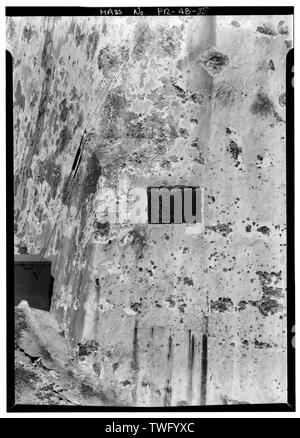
135,364
271,294
269,282
64,110
19,97
107,60
214,61
154,128
64,138
268,306
135,361
168,384
266,30
204,362
138,239
222,304
92,43
264,230
88,347
262,105
33,144
101,228
191,357
234,151
79,36
89,186
27,33
223,229
49,171
115,104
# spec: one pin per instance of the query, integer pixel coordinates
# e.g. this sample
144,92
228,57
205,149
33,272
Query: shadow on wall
50,291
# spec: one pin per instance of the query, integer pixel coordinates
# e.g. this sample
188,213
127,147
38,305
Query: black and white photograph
150,218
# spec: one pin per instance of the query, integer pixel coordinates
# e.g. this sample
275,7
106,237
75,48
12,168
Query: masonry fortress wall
172,318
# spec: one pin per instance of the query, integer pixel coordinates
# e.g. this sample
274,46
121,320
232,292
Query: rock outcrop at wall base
46,367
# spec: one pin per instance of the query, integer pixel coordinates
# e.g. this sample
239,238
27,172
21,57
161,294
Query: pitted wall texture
170,318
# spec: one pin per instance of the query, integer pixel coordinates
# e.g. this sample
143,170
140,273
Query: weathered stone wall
172,318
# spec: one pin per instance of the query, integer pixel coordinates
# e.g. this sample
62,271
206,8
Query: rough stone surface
159,316
49,371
